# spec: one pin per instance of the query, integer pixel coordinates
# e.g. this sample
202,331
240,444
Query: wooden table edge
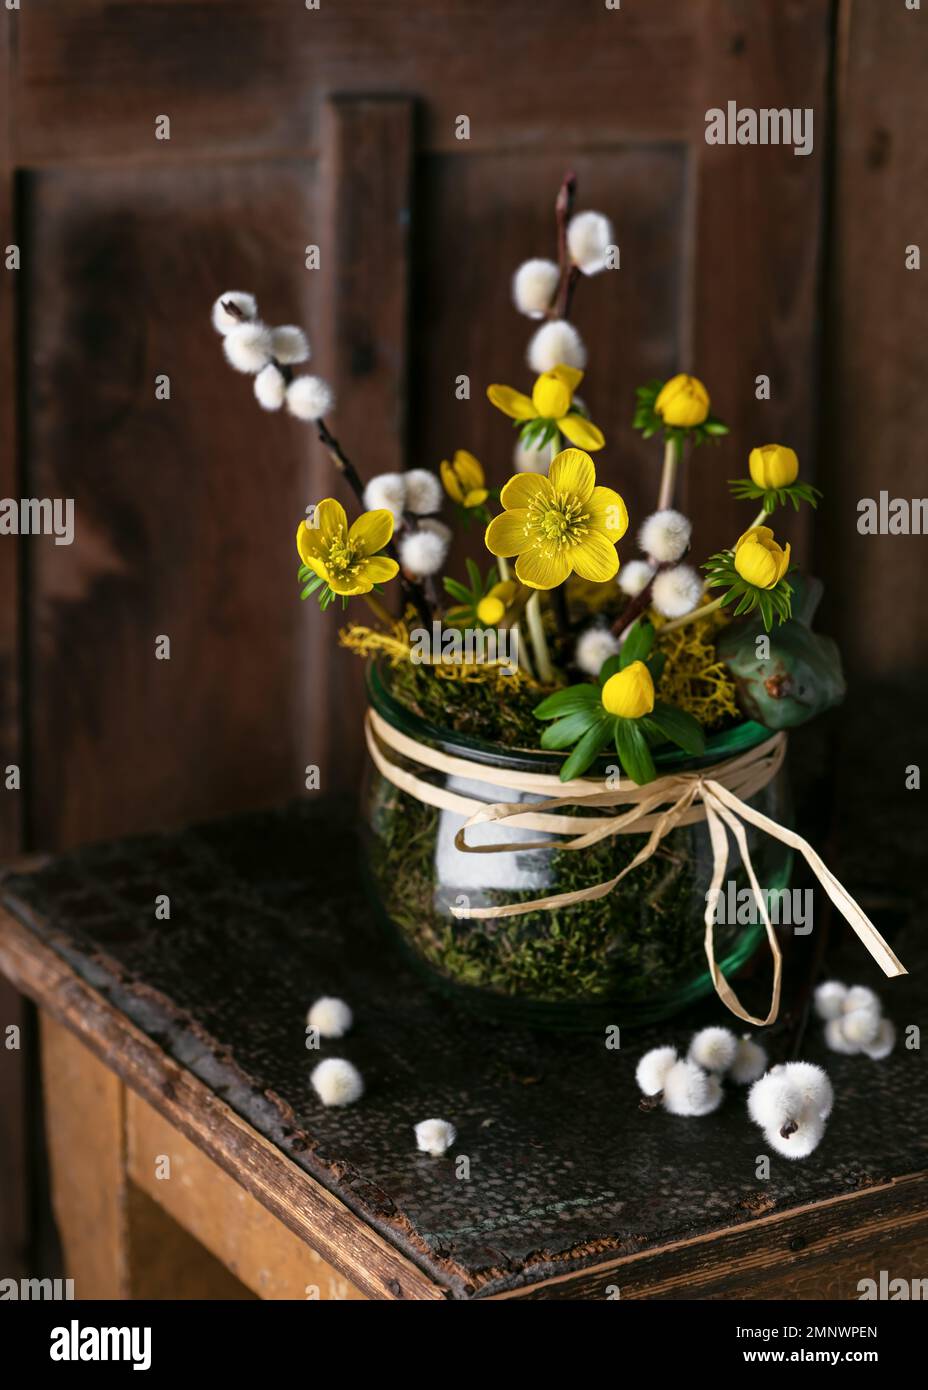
304,1205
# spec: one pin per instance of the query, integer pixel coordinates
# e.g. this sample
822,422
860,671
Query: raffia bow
713,794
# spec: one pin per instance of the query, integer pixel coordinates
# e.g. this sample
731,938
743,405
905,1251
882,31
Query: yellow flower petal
512,403
756,564
352,585
608,513
540,571
595,558
784,563
329,519
571,376
761,534
507,533
582,432
308,542
629,693
378,569
573,472
551,396
523,488
469,470
450,481
371,531
473,499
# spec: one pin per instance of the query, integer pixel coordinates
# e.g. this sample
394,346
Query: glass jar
633,957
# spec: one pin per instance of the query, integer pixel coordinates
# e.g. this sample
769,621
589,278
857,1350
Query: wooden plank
15,1167
755,273
358,1252
876,407
85,1128
265,1255
11,734
185,508
166,1262
366,169
246,79
818,1251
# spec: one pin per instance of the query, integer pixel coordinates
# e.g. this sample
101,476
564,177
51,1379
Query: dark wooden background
336,127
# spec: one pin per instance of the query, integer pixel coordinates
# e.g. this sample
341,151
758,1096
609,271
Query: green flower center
558,523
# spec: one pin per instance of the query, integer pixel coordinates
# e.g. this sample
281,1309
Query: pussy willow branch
412,592
563,207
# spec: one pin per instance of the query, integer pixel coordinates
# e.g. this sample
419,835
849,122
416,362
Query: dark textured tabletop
267,913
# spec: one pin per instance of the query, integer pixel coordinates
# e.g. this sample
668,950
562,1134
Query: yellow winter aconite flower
347,560
629,693
551,399
683,402
773,466
464,479
759,559
559,524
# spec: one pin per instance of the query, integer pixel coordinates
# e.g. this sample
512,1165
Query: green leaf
575,697
473,575
457,590
564,733
586,750
492,578
655,665
681,728
634,753
312,586
638,642
610,667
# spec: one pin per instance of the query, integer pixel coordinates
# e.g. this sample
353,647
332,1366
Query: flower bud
629,693
759,559
491,610
774,465
683,402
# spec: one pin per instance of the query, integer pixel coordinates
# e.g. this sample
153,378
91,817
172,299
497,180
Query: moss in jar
641,940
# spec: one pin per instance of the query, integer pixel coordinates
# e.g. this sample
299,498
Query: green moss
472,708
645,939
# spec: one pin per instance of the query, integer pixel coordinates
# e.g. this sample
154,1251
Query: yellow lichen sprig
693,677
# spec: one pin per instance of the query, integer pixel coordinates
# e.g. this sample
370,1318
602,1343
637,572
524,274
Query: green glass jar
633,957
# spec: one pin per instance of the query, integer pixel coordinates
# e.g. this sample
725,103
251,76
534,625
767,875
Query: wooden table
190,1156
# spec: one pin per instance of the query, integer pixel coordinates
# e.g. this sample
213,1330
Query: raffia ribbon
718,795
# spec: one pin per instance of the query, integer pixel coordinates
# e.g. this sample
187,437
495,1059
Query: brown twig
563,207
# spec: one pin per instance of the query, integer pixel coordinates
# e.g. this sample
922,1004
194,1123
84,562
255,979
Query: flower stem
633,609
380,613
505,574
691,617
759,520
673,452
536,630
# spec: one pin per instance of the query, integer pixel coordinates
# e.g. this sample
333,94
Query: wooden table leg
85,1127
